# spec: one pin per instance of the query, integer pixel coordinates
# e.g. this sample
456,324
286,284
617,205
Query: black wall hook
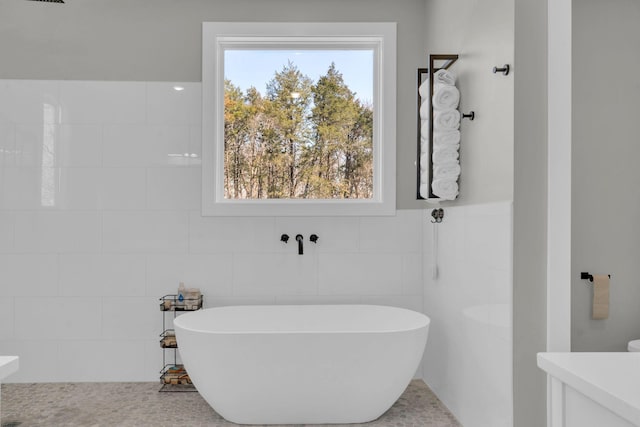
437,215
504,69
470,116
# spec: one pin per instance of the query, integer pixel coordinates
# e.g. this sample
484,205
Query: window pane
298,124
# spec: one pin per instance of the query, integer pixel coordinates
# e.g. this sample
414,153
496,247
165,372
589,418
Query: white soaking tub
307,364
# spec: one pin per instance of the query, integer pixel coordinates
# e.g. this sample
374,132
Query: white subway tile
335,234
6,318
86,102
108,360
7,225
501,322
146,145
410,302
7,145
123,189
318,299
211,273
129,317
36,318
79,146
274,274
29,101
169,145
412,274
231,234
360,274
195,144
61,318
174,188
38,360
400,233
78,189
488,239
239,300
57,232
102,275
28,275
77,317
144,232
165,105
37,145
153,360
498,286
128,145
27,188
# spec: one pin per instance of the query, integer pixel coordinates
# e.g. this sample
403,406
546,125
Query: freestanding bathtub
307,364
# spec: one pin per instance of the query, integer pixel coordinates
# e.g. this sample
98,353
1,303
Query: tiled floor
140,404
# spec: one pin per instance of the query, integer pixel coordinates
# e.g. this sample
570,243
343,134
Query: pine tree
289,93
299,141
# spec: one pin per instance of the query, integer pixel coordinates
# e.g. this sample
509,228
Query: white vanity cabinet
592,389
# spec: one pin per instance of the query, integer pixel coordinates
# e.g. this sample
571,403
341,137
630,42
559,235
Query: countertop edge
606,398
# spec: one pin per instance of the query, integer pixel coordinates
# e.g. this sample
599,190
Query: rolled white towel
444,154
423,89
450,170
424,130
444,188
424,175
424,110
444,97
446,120
451,137
424,190
444,77
424,160
424,146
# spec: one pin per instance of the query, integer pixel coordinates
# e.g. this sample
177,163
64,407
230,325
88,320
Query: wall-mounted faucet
299,239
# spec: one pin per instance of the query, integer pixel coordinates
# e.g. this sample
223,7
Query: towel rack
589,277
436,62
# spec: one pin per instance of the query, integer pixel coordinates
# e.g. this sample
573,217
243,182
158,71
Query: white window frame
380,37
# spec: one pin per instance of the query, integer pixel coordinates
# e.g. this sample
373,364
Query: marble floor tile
140,404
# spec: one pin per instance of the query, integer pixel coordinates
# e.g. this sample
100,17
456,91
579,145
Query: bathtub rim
178,323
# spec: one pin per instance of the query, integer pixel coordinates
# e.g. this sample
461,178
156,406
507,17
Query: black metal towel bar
589,277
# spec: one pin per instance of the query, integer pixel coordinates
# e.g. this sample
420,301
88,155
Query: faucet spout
299,239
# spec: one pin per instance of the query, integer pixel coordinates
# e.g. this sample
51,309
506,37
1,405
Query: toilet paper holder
589,277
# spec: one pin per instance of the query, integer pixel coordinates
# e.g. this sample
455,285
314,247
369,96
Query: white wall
161,40
99,218
468,362
469,354
605,202
481,33
530,213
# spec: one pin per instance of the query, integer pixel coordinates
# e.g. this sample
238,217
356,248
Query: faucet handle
314,238
284,238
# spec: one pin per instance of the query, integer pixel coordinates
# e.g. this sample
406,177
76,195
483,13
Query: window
298,119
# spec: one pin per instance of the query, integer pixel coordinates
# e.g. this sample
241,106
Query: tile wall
468,360
100,216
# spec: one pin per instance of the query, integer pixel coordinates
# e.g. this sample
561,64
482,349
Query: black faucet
299,239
